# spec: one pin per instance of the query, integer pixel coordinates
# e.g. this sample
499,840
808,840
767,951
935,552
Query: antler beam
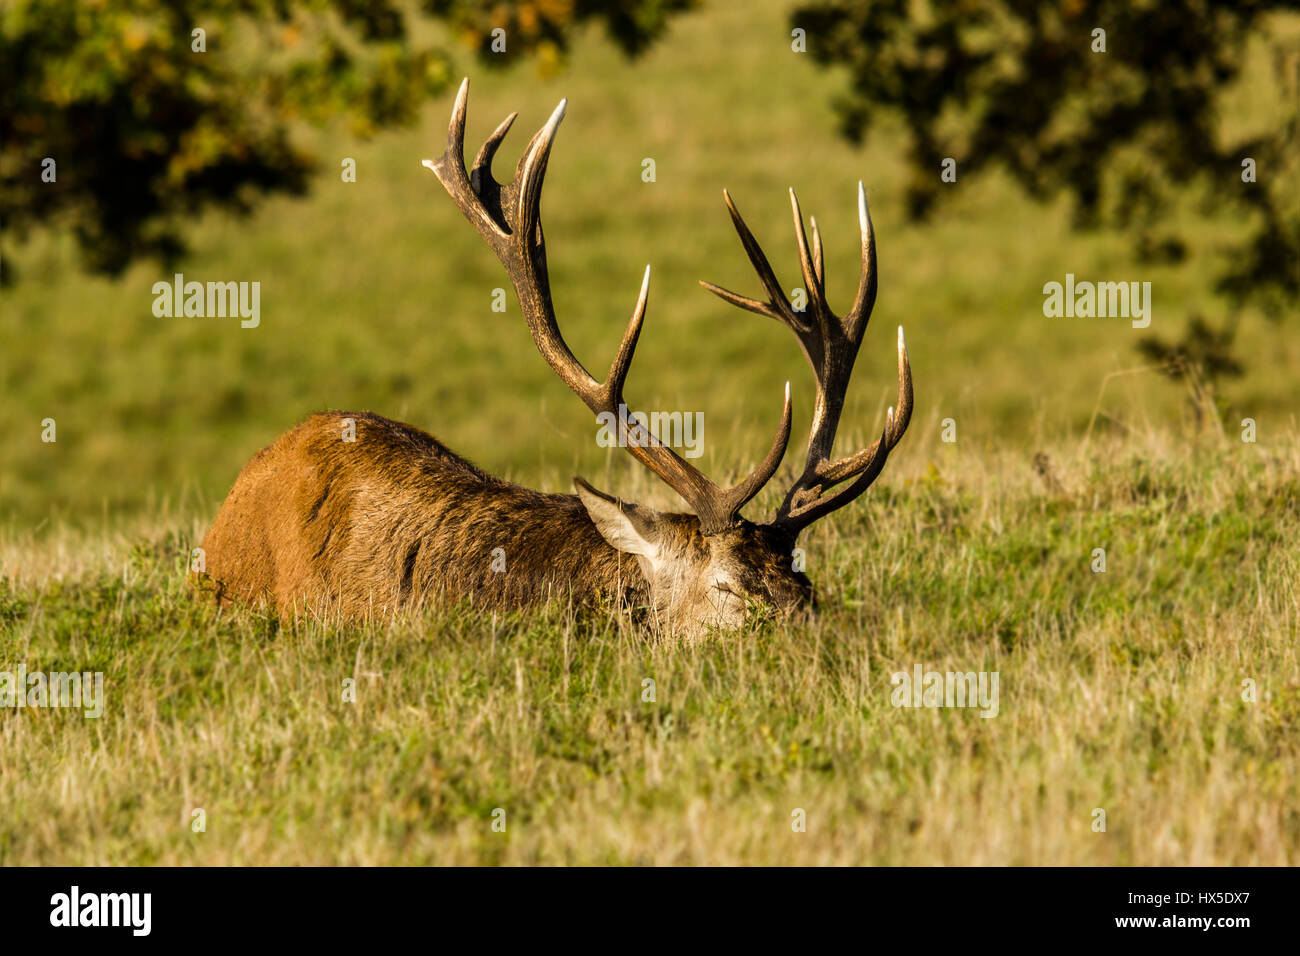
830,345
508,217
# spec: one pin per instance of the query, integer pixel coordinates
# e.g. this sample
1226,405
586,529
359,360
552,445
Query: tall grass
1120,691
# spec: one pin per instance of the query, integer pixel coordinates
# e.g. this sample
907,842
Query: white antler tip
902,342
864,217
428,163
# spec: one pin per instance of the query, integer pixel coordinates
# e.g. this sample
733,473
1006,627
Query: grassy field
1119,690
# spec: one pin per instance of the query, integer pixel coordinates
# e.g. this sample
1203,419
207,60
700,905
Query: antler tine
803,515
531,171
509,217
855,322
487,152
778,306
809,500
456,128
817,252
480,208
835,472
618,369
810,264
739,495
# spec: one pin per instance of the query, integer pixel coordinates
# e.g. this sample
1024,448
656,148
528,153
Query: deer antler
508,217
831,346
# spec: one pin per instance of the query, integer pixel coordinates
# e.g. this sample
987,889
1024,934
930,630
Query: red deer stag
392,518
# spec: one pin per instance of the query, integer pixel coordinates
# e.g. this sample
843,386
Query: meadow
1127,690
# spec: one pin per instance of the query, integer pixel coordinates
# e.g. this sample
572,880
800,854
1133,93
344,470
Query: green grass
1119,691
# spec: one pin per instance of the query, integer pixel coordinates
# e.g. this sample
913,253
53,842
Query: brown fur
393,519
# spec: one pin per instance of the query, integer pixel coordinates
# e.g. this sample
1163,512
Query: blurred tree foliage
147,123
1129,133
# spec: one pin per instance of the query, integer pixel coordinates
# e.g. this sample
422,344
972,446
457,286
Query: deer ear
627,527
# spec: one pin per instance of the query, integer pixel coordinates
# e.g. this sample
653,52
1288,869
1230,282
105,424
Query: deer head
712,567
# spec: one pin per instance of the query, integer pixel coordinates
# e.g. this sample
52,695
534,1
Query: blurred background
221,155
